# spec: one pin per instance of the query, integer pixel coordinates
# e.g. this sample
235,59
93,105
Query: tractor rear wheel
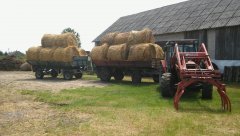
118,75
166,85
136,77
207,91
39,74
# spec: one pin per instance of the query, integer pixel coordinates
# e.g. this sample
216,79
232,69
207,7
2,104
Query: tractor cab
185,45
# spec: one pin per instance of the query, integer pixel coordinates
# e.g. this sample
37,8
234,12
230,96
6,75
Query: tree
1,53
70,30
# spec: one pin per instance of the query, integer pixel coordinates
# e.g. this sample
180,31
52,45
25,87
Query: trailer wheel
105,75
54,73
136,77
207,91
166,86
78,75
39,74
67,75
155,78
118,75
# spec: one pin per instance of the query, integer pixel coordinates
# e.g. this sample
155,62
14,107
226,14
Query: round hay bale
144,36
159,51
58,55
99,52
61,40
25,67
121,38
69,53
82,52
33,53
46,54
117,52
142,52
108,38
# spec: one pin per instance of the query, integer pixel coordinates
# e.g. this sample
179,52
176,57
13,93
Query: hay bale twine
159,51
144,36
117,52
121,38
69,53
142,52
99,52
25,67
108,38
61,40
46,54
82,52
33,53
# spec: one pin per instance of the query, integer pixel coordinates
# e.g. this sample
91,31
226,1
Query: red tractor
187,67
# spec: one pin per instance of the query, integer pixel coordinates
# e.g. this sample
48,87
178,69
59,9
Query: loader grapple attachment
195,67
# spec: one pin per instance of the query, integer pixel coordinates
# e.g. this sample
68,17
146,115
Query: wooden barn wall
228,43
201,35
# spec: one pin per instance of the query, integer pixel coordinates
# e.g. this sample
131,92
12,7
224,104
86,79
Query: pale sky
23,22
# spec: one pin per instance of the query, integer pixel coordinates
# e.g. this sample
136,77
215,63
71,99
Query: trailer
136,69
68,69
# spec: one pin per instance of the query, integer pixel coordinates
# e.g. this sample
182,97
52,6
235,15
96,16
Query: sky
24,22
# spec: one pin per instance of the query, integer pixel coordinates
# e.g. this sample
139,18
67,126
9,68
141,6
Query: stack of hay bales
132,46
59,48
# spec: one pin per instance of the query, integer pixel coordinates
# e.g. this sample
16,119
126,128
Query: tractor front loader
186,66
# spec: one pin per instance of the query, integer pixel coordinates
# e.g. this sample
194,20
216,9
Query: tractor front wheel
207,91
54,73
118,75
166,85
105,74
39,74
78,75
67,75
136,77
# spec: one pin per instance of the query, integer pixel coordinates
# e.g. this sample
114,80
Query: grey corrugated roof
185,16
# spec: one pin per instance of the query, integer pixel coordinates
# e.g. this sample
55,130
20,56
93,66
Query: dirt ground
21,115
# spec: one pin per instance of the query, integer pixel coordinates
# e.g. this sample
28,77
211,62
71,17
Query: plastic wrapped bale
121,38
159,51
25,67
69,53
82,52
99,52
144,36
61,40
142,52
117,52
46,54
108,38
33,53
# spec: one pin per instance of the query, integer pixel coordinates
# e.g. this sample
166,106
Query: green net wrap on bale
46,54
82,52
61,40
159,51
117,52
142,52
99,52
144,36
121,38
33,53
108,38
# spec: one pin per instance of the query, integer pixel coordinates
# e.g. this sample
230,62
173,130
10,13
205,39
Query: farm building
214,22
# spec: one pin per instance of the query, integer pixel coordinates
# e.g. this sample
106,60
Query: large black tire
166,85
78,75
136,77
54,73
67,75
105,74
39,74
207,91
118,75
155,78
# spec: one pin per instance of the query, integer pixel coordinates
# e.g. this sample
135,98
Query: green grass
124,109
